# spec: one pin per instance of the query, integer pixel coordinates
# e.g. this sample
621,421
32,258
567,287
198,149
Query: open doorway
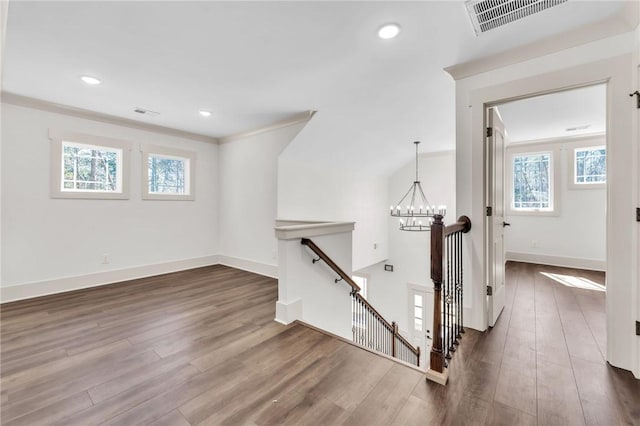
546,187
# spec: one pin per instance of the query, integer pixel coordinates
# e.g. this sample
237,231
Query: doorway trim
621,161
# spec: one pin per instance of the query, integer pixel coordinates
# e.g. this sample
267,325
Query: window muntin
590,165
86,166
532,182
168,174
90,168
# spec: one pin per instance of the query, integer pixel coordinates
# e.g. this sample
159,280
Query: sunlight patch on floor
573,281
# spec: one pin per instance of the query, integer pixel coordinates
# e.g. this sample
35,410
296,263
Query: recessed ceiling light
388,31
90,80
205,113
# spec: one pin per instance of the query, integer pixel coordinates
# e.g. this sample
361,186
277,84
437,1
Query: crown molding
625,21
301,117
559,139
24,101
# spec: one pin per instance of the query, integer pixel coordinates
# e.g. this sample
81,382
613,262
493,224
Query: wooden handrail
463,224
307,242
392,327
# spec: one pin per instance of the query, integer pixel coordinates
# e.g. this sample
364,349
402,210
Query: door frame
616,73
487,182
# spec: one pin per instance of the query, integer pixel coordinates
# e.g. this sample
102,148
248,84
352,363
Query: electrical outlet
375,246
106,259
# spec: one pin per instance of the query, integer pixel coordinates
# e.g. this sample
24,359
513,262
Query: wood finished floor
201,347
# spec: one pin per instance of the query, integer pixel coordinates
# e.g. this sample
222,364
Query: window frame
59,137
163,151
554,174
571,158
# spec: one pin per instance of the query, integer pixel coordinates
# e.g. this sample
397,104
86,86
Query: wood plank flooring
200,347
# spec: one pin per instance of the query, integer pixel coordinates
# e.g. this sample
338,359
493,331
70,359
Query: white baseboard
569,262
61,285
288,312
249,265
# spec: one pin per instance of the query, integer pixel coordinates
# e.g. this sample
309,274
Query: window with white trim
418,312
86,166
532,182
168,174
590,166
91,168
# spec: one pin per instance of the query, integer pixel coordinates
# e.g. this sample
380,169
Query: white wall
307,192
409,252
307,290
576,237
607,59
248,170
45,239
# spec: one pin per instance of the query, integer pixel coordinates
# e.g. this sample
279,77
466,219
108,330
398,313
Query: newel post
437,239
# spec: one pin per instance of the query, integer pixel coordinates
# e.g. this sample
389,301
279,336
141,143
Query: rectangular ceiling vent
145,111
489,14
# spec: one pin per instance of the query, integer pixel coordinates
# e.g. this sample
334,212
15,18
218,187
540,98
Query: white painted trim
57,138
626,21
352,343
440,378
292,232
559,140
61,285
564,261
302,117
259,268
554,185
190,175
24,101
571,159
288,312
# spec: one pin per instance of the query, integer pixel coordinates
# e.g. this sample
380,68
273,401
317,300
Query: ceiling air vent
489,14
145,111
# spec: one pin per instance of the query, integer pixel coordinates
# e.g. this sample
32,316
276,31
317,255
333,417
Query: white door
495,142
420,320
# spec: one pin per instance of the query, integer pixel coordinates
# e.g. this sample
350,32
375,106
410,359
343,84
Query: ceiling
254,63
583,111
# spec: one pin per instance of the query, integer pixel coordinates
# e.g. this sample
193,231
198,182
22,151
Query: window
91,168
418,312
532,182
362,283
85,166
168,174
590,166
359,315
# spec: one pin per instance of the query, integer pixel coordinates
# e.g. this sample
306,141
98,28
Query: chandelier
419,212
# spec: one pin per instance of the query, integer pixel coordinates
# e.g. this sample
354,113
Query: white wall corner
259,268
288,312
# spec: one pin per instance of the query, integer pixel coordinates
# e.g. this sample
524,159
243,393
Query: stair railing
370,328
446,274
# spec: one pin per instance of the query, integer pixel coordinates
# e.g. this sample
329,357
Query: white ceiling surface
548,116
253,63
